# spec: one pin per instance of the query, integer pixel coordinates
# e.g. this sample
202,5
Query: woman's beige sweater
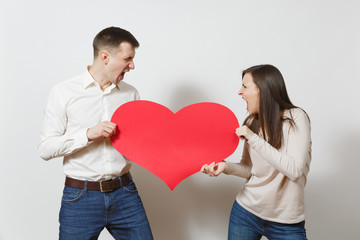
276,179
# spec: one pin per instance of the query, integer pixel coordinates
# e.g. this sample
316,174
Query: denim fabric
246,226
84,214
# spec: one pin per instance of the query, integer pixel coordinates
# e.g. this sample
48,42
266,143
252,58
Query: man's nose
132,65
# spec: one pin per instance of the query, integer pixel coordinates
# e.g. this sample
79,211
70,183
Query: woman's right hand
214,169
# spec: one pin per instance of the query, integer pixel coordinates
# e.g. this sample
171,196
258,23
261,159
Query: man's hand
214,170
104,129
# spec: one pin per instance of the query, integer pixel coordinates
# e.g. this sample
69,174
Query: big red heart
174,146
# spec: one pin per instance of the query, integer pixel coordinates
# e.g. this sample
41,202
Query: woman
275,161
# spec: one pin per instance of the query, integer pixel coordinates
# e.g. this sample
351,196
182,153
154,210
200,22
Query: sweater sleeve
292,160
243,168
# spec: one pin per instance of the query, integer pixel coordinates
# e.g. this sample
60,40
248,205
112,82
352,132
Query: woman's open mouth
247,104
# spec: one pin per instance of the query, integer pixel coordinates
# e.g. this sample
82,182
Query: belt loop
121,184
85,185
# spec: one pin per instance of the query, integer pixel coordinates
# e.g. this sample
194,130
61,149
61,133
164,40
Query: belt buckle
101,187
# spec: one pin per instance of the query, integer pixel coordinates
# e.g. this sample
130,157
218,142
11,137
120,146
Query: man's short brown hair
111,37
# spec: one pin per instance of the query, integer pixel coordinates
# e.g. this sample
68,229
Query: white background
191,51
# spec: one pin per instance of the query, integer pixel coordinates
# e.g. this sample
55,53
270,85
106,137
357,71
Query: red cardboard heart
174,146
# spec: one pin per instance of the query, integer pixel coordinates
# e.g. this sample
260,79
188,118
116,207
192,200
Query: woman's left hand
244,132
214,170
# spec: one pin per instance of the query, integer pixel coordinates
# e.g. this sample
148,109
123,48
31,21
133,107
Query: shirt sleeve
54,141
243,168
292,161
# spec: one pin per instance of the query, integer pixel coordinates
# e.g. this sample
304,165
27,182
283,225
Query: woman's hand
244,132
214,170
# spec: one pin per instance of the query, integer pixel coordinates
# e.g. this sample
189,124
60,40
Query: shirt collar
88,80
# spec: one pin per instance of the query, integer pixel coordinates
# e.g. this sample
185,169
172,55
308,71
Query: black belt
103,186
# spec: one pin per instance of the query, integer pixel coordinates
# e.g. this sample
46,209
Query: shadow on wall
185,95
332,202
199,205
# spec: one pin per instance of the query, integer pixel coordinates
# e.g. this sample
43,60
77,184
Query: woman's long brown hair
274,100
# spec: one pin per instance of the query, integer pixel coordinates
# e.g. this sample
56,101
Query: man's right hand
104,129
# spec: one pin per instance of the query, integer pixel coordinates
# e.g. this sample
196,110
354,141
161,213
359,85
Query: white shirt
276,178
74,106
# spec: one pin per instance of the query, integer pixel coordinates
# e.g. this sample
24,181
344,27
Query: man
99,191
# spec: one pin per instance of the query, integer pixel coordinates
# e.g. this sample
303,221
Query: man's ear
104,56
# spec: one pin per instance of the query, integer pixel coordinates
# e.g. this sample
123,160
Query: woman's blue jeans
244,225
84,214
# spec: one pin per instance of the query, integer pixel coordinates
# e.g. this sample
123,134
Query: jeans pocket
131,187
72,194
